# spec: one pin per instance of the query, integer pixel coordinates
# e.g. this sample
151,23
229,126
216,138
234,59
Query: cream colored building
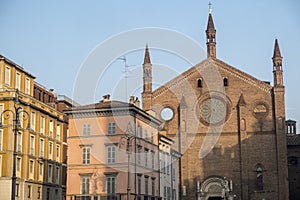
40,158
169,168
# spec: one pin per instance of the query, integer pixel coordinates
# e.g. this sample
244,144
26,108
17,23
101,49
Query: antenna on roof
126,72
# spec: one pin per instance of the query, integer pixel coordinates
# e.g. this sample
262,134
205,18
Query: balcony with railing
112,197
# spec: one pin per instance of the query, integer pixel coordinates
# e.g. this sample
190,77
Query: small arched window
199,83
259,178
225,82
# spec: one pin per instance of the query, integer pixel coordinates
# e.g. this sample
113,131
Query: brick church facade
229,126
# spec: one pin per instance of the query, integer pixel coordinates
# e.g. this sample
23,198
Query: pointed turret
211,37
279,119
147,56
277,59
147,80
277,65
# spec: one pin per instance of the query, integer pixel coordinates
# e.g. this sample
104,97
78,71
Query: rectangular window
152,137
7,75
167,193
86,130
152,160
86,155
146,157
51,128
29,191
1,140
17,190
50,169
85,184
41,171
18,81
58,132
168,168
153,186
163,166
39,192
139,184
19,166
111,128
27,86
1,110
57,152
111,154
48,194
19,142
50,150
57,174
31,151
31,169
173,174
0,165
146,185
20,117
139,155
33,121
1,132
41,147
146,135
42,125
140,130
111,185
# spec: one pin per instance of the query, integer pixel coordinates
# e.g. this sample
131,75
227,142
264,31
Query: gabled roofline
222,66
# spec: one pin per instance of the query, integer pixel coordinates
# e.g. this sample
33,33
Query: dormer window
225,82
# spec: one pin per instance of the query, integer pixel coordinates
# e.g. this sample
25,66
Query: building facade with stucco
113,152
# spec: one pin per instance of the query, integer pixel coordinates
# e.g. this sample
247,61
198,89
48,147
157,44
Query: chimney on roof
131,100
106,98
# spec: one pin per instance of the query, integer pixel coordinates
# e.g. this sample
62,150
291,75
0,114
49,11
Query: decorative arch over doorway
213,188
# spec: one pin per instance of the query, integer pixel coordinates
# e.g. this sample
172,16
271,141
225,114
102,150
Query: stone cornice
118,111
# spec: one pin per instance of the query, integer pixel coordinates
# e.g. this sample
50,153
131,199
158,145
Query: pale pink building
99,135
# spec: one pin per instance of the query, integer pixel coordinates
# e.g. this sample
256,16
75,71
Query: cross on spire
209,7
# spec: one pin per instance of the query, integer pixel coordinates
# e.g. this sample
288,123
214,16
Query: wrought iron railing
112,197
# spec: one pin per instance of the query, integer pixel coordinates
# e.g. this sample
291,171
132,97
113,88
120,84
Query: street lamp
127,139
16,112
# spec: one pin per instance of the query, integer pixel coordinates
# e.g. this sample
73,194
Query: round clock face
213,111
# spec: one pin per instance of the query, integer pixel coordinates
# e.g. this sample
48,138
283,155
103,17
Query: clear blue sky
52,39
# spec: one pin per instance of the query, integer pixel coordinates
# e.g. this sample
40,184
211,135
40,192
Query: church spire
211,36
277,65
147,72
147,55
277,59
147,81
